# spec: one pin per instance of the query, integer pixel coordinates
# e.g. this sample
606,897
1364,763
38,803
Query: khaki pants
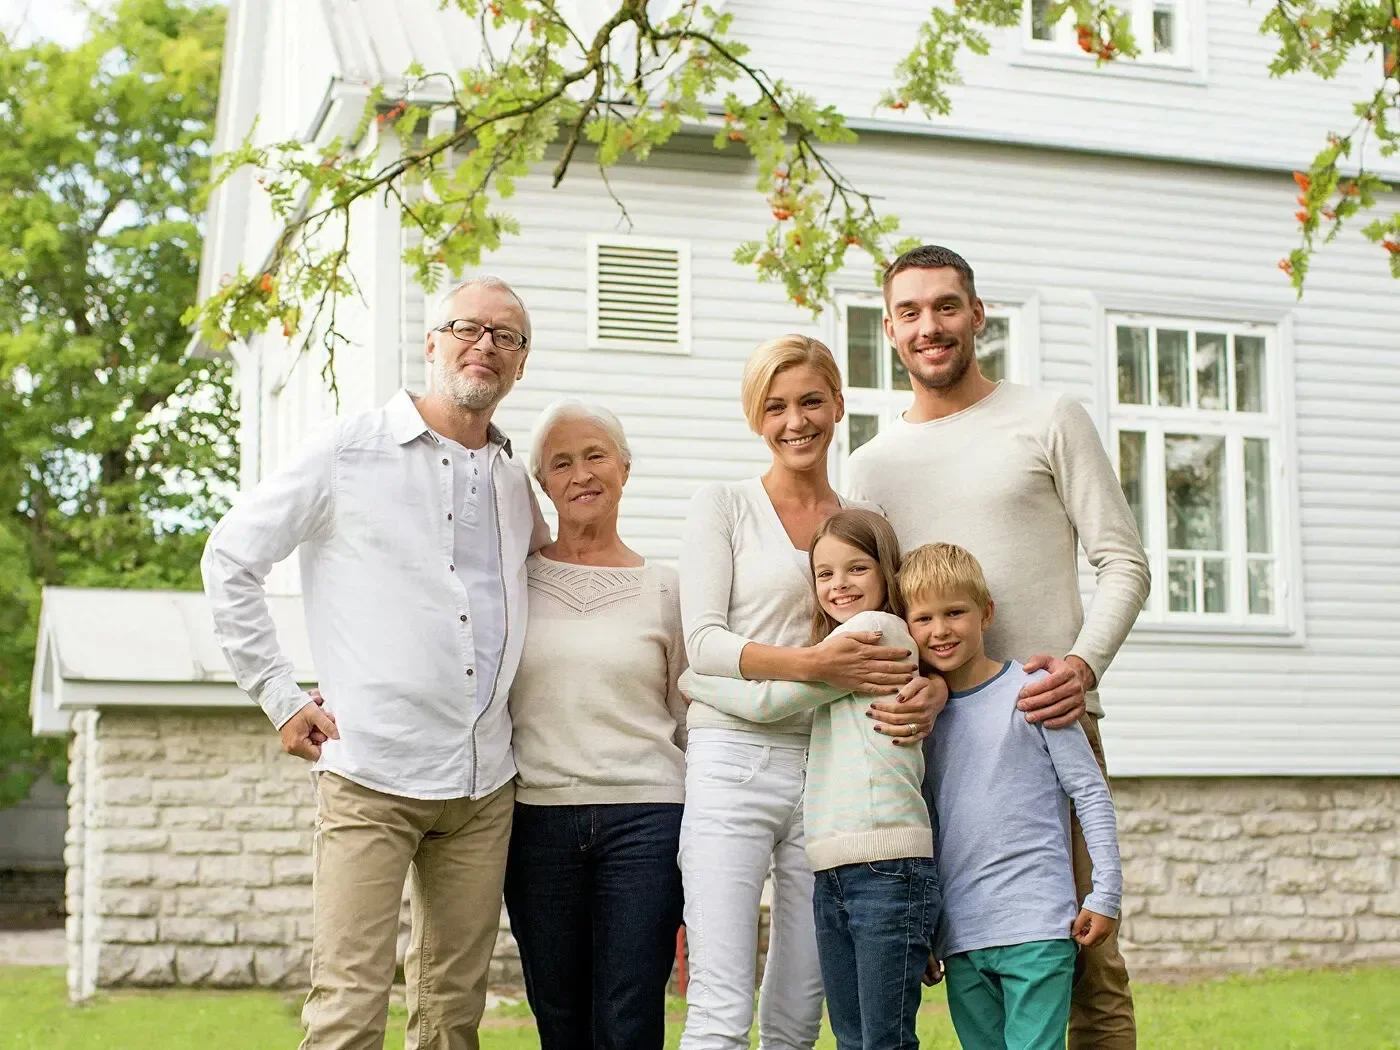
366,842
1101,1010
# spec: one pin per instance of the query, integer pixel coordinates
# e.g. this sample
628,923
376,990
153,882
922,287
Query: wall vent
639,295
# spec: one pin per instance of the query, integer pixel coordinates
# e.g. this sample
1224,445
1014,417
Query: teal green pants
1012,998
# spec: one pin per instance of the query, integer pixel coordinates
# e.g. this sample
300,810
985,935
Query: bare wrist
807,661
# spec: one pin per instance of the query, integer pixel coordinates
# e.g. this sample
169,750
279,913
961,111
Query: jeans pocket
715,763
903,868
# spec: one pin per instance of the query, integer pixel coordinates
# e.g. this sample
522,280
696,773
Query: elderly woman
746,599
592,884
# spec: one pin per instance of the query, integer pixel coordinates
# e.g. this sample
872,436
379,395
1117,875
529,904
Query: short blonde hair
942,570
772,357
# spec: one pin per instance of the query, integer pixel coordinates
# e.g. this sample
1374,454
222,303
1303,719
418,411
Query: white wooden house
1125,223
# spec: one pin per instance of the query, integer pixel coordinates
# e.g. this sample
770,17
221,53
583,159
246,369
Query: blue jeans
875,926
594,895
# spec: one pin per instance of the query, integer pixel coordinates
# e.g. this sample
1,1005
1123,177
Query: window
1159,27
639,295
1199,444
878,388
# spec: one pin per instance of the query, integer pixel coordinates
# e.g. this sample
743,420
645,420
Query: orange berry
899,103
782,214
736,136
1302,180
1391,246
1301,216
1286,266
266,283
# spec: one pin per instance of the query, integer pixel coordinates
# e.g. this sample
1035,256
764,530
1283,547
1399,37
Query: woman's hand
910,716
856,661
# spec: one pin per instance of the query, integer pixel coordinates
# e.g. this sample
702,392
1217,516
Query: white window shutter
639,294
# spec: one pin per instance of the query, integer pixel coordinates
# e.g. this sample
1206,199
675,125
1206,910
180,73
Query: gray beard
465,392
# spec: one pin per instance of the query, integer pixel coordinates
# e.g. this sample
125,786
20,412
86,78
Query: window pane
865,337
1181,584
899,375
1163,30
1258,535
1214,580
1249,373
1195,492
1173,360
1261,587
1132,455
1132,366
993,346
863,428
1211,391
1041,29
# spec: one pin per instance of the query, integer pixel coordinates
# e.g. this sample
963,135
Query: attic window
639,295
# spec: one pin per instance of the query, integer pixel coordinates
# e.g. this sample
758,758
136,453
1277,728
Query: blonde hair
776,355
874,537
943,570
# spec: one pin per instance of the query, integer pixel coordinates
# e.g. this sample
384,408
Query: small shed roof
99,647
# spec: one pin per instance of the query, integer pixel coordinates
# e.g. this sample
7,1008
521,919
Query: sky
61,21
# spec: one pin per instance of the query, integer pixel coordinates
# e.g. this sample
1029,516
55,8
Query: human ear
989,615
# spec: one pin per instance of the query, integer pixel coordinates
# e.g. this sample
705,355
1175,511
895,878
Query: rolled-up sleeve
292,506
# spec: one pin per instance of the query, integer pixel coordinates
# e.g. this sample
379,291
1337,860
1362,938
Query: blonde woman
746,611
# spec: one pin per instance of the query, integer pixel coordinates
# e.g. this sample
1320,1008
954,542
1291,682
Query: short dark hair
931,257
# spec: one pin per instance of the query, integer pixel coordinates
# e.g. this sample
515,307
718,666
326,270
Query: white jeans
743,818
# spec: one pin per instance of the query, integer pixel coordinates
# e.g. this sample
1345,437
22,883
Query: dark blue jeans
594,895
875,926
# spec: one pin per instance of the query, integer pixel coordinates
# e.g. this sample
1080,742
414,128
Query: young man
1002,787
1018,476
413,523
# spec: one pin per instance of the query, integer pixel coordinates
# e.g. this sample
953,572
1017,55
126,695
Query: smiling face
848,580
948,630
800,413
476,376
934,323
582,472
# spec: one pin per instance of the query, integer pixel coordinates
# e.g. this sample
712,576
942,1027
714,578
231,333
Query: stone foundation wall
190,834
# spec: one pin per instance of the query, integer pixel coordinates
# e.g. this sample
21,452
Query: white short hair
573,408
443,310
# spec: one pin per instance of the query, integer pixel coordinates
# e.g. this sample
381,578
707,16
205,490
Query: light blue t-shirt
1002,790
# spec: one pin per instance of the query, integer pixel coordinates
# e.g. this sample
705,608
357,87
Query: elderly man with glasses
413,523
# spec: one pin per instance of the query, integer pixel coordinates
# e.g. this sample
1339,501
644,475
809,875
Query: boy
1002,790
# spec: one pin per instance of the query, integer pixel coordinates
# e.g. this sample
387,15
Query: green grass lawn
1325,1010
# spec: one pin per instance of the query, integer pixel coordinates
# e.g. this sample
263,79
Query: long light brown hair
874,537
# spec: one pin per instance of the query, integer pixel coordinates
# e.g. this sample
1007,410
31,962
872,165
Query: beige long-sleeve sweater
1020,479
595,710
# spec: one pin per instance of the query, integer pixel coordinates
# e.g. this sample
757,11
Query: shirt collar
406,423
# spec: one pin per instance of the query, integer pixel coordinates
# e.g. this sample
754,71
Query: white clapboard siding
1079,233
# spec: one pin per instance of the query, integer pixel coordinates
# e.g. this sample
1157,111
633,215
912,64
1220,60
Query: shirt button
444,462
463,618
470,672
449,517
452,568
473,490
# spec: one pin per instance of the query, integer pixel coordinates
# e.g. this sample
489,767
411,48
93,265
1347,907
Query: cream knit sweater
596,712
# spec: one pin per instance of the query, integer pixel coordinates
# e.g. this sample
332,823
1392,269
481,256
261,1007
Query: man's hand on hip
1056,701
304,733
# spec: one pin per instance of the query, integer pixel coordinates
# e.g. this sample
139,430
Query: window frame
888,404
684,311
1275,424
1186,63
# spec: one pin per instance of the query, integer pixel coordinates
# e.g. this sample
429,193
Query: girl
868,836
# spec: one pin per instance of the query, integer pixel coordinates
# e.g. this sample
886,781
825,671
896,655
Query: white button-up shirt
393,626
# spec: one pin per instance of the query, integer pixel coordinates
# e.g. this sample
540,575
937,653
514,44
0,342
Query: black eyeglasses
506,339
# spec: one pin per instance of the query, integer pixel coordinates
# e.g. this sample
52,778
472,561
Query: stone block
141,965
224,902
1143,823
1230,880
201,930
286,791
285,967
125,750
1208,828
192,818
1182,799
168,871
219,793
266,931
1336,905
1294,795
1366,875
1272,825
1361,794
1271,929
124,791
1387,904
283,900
126,869
1146,875
1186,907
292,871
131,904
261,818
242,870
128,931
215,967
1330,847
1374,928
117,724
132,840
1170,931
278,843
125,817
305,925
1357,821
186,771
1296,875
205,842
